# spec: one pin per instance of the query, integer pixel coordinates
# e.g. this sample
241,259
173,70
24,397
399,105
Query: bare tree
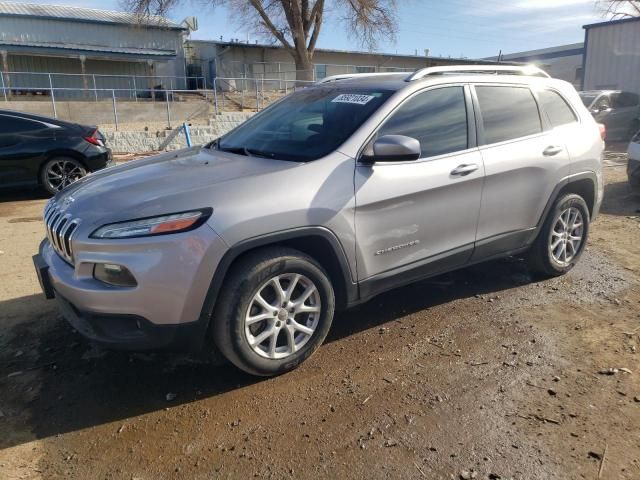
617,9
296,24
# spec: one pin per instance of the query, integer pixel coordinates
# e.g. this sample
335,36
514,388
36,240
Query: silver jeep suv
336,193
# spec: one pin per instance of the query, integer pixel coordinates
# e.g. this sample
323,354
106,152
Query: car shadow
11,194
53,381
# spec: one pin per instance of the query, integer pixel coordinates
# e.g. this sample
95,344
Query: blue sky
470,28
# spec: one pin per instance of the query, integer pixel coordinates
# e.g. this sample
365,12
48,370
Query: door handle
464,169
551,151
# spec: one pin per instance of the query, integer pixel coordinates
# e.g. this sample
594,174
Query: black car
47,151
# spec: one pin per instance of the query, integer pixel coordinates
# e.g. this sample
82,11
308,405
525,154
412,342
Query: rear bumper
97,158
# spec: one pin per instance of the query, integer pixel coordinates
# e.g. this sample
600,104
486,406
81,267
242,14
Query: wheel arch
318,242
583,184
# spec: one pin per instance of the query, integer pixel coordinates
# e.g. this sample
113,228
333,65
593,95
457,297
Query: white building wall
613,57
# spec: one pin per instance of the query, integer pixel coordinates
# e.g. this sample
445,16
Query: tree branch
269,24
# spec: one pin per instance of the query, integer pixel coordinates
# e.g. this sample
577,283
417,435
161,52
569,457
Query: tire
240,342
60,172
546,255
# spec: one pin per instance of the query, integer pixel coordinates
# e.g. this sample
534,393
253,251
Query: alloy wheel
566,236
63,173
282,316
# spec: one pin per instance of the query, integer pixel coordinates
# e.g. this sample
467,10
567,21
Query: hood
166,183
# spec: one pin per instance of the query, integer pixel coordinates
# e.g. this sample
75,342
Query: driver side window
436,118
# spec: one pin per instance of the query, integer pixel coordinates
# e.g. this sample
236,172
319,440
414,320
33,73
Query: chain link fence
144,108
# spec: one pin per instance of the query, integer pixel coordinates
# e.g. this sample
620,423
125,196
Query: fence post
115,109
215,96
53,98
262,94
166,97
4,90
257,98
95,89
135,89
244,85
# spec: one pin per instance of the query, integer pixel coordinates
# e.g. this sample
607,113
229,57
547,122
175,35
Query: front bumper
165,309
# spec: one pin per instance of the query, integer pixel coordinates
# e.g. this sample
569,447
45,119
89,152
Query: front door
415,218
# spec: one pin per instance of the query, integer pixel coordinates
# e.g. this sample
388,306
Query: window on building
321,71
507,113
437,118
556,108
365,69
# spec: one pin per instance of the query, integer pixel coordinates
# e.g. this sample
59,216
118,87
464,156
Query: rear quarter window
507,113
11,124
556,108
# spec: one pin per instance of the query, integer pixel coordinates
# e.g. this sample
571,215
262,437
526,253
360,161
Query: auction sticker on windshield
353,98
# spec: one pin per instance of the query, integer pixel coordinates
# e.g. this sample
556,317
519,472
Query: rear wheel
274,311
61,172
563,237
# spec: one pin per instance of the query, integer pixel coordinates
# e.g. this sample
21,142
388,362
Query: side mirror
394,148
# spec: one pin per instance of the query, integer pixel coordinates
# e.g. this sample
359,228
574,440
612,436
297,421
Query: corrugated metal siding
106,35
613,57
81,13
24,63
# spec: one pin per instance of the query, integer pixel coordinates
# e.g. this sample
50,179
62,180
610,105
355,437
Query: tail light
603,131
95,139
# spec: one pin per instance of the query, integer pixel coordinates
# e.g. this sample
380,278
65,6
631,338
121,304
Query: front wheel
274,311
563,237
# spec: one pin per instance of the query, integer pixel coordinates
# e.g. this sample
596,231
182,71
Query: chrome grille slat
60,228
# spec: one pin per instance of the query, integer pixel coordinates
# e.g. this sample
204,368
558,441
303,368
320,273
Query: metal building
241,59
612,55
87,48
563,61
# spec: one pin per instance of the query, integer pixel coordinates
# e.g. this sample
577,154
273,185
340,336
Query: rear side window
437,118
508,113
11,124
556,108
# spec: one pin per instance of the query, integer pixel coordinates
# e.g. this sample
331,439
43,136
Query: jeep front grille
60,229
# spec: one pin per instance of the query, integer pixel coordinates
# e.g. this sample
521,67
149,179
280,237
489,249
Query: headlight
161,225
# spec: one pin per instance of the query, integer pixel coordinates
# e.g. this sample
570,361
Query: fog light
114,275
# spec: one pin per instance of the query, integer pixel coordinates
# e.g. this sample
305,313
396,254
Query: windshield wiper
249,152
258,153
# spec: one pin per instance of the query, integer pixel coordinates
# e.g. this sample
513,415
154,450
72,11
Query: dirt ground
483,373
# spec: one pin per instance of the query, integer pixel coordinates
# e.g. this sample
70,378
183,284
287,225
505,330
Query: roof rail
530,70
345,76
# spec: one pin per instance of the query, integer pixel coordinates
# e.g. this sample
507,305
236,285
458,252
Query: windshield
306,125
588,98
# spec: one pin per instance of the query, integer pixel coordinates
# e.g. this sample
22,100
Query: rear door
524,160
420,216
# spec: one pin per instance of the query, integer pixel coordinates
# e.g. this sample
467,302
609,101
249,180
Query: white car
633,167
